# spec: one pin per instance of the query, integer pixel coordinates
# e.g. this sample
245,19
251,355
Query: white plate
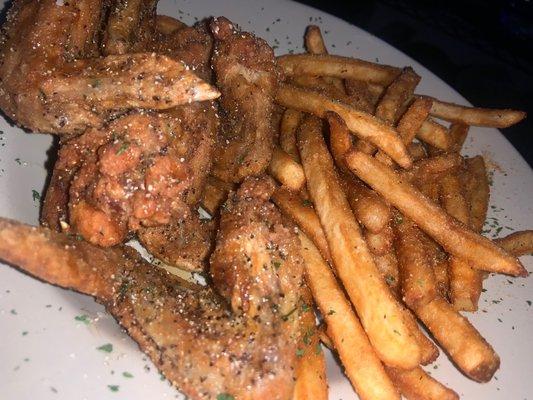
46,353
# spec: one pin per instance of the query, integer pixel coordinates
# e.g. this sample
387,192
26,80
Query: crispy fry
368,207
215,193
465,281
339,67
517,243
453,236
286,171
458,133
369,91
166,24
311,381
434,134
433,168
463,343
362,124
477,191
380,243
417,151
287,133
491,117
353,262
416,384
397,95
340,139
387,264
438,260
417,280
323,335
303,214
359,358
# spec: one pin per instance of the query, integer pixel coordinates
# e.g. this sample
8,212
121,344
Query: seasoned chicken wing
246,75
200,344
52,80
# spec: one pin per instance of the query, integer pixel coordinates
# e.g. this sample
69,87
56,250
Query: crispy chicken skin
246,75
52,80
195,339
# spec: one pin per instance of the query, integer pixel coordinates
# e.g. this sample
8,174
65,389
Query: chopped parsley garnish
300,352
113,388
307,203
305,307
331,312
308,335
107,348
83,318
95,83
318,349
286,316
123,147
225,396
14,312
35,195
24,333
277,264
17,160
127,374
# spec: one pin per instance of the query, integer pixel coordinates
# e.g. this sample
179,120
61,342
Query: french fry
463,343
390,336
517,243
358,356
416,151
324,338
453,236
287,132
416,384
391,105
167,25
417,280
368,207
477,191
311,381
340,139
465,282
360,123
371,92
434,134
433,168
337,66
387,264
380,243
438,260
286,171
303,214
491,117
215,193
458,133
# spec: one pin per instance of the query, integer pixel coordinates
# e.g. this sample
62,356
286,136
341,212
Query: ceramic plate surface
50,337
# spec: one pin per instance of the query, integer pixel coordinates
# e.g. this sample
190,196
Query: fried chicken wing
201,345
53,80
246,75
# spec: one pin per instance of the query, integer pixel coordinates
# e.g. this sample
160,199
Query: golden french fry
387,265
311,381
359,358
463,343
517,243
340,139
477,191
458,133
304,215
438,260
433,168
416,384
167,25
368,207
453,236
286,171
380,243
287,132
390,335
434,134
417,280
337,66
417,151
360,123
215,193
369,91
392,104
465,282
491,117
324,338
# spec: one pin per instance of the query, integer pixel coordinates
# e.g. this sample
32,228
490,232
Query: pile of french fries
389,216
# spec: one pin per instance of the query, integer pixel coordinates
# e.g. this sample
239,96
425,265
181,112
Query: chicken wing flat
51,79
200,344
246,75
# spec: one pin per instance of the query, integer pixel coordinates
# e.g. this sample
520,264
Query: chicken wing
203,347
246,75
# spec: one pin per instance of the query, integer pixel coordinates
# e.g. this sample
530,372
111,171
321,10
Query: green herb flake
300,352
17,160
277,264
225,396
127,374
53,389
308,335
96,83
123,147
113,388
24,333
318,349
331,312
286,316
107,348
35,195
396,332
83,318
528,302
307,203
398,219
13,312
305,307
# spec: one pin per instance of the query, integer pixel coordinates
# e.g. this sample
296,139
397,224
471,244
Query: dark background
483,49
